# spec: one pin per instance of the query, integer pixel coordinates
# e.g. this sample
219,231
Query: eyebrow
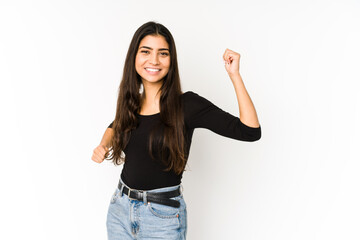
160,49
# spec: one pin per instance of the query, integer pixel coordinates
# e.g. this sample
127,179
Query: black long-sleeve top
143,173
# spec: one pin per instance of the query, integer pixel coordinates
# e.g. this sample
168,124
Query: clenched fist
232,62
99,154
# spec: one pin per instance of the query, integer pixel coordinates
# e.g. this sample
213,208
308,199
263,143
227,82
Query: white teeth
152,70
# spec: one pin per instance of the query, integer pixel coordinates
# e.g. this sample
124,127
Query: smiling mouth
153,69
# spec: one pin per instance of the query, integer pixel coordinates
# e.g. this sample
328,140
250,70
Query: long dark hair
167,138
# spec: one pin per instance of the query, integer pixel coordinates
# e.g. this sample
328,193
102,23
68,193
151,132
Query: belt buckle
129,191
134,190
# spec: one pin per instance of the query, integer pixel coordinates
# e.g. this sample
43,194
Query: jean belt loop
144,197
121,190
181,189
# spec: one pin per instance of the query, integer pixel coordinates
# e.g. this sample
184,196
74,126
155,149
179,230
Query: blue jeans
133,219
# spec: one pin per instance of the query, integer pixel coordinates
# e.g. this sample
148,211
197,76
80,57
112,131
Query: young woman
152,133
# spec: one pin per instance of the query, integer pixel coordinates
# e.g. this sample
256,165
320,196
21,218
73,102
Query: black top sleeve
111,124
201,113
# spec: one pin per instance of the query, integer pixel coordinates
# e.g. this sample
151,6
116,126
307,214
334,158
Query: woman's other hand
99,153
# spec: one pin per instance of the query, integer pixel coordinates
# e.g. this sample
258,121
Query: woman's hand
99,154
232,62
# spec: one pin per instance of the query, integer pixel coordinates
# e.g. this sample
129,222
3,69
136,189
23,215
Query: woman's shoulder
189,94
193,96
194,101
190,98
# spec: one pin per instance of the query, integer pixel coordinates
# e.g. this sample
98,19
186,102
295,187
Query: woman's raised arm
247,110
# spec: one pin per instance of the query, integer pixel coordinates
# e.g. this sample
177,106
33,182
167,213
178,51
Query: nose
154,59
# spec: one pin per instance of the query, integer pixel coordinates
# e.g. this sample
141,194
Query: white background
60,68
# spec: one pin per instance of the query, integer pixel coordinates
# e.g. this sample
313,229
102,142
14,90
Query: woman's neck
150,100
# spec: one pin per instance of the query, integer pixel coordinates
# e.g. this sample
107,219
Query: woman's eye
162,53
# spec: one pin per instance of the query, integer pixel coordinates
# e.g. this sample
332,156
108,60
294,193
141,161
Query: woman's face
152,60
